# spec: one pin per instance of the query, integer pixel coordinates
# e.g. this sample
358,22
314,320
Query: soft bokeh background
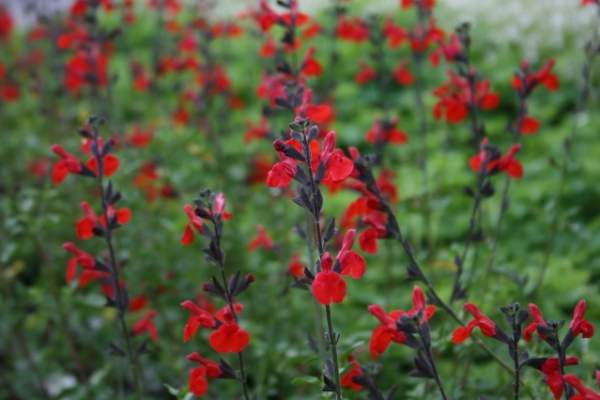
57,336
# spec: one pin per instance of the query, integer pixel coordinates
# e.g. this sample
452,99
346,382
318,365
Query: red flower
181,116
258,170
395,34
528,125
352,263
538,319
198,379
194,224
87,68
146,324
525,81
321,114
85,226
354,30
296,267
198,318
265,17
337,166
138,303
481,321
140,137
229,338
554,379
457,97
386,132
403,76
354,371
262,239
423,36
110,164
489,159
368,239
312,30
387,331
84,260
10,92
268,49
579,325
387,186
257,131
427,4
282,173
584,392
141,79
67,164
328,287
6,23
452,51
365,75
310,66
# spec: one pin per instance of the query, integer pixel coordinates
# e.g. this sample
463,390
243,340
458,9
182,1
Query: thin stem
121,307
517,369
395,227
504,204
133,362
515,355
330,330
436,375
456,289
318,311
229,297
333,347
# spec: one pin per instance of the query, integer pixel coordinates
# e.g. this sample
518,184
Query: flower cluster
106,269
410,328
553,368
206,217
525,81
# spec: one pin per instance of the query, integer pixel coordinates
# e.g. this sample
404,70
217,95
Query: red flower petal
329,288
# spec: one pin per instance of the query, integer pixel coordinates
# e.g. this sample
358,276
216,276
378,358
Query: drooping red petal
229,338
188,236
281,174
528,125
329,288
353,264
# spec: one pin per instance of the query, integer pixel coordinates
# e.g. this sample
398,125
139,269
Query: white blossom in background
531,25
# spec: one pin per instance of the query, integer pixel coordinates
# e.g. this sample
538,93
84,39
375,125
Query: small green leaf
306,380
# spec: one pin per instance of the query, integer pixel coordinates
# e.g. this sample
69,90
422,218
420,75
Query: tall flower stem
417,272
515,357
318,311
229,298
431,361
119,295
317,228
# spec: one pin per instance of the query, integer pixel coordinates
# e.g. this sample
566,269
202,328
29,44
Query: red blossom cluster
553,368
206,217
328,286
82,265
388,330
489,161
525,82
460,95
